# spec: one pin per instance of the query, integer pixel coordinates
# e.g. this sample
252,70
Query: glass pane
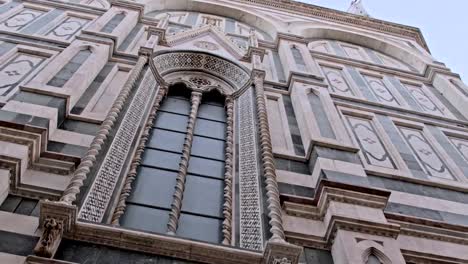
208,148
212,112
176,105
166,140
145,218
201,228
161,159
205,167
203,196
209,128
171,121
153,187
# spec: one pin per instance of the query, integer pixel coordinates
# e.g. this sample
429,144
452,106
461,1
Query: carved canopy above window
230,72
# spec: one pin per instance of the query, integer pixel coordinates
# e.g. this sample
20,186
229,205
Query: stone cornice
343,18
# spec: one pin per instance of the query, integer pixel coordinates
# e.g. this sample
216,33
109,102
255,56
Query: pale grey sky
443,23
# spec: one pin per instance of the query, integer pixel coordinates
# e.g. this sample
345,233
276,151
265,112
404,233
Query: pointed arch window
298,59
373,260
179,187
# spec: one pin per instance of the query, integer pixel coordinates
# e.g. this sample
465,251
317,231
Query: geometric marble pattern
21,19
16,70
425,153
68,27
423,100
251,235
381,91
461,145
371,145
337,81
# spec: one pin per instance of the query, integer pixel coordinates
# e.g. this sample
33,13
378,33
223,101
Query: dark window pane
201,228
212,112
209,128
36,210
144,218
176,105
161,159
206,167
203,196
153,187
26,206
208,148
172,121
10,203
166,140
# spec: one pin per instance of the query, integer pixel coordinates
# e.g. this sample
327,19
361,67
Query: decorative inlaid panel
381,91
425,153
370,143
68,28
251,234
461,145
168,62
353,52
320,47
101,191
21,19
337,81
424,101
16,70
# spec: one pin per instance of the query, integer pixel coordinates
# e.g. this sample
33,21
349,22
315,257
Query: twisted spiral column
228,173
269,170
87,162
137,158
176,205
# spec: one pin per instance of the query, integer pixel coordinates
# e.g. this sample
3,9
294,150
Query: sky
444,24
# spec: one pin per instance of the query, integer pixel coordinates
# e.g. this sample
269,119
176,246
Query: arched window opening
298,59
168,196
373,260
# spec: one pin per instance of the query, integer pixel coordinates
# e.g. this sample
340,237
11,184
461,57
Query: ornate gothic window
179,184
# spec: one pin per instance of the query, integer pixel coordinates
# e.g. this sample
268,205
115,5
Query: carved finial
357,8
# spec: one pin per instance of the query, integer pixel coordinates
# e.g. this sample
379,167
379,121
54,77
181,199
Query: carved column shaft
228,172
87,162
176,206
136,161
269,170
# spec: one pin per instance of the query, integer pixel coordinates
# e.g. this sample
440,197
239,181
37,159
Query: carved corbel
56,218
51,237
280,252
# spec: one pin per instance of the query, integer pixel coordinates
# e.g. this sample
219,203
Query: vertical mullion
176,205
228,173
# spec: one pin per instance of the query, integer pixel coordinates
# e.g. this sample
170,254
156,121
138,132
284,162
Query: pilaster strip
176,206
269,170
73,188
137,158
110,170
228,173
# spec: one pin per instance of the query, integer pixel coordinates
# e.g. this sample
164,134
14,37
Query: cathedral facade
226,131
